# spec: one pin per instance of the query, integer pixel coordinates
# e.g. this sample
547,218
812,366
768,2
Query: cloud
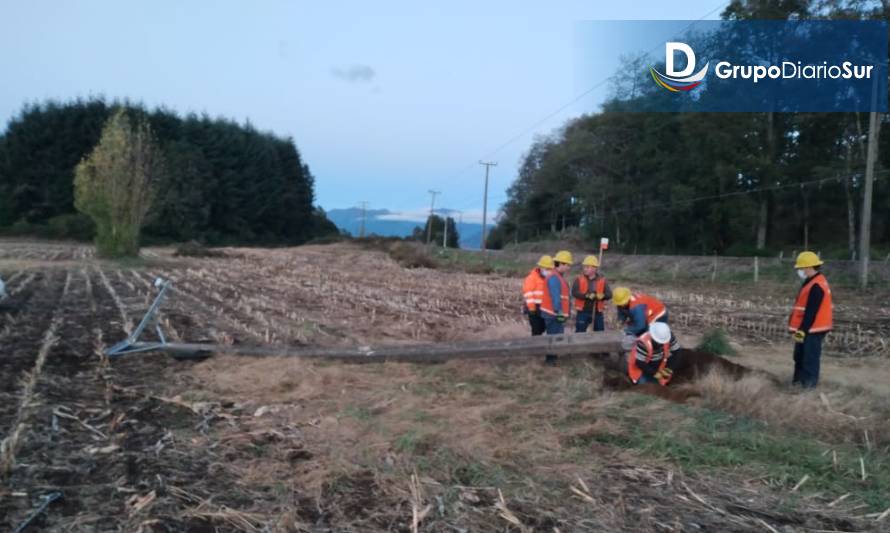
354,73
470,216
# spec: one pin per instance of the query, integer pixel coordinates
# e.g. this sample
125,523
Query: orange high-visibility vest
634,371
584,285
823,320
564,296
533,289
654,308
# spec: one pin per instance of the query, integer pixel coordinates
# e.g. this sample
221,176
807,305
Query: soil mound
689,366
692,364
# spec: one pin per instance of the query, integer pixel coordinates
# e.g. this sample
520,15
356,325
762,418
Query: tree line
438,234
221,183
728,183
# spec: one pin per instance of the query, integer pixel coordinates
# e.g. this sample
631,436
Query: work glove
799,336
600,296
590,296
561,318
664,374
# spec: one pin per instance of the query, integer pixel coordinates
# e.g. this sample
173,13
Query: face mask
802,274
545,271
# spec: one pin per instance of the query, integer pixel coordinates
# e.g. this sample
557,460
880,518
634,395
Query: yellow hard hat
591,261
620,296
564,257
807,259
546,262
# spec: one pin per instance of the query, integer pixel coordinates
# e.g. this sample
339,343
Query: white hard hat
661,332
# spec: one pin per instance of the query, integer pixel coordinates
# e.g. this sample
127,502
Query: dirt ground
148,443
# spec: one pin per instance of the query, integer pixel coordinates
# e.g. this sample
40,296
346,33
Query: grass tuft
716,341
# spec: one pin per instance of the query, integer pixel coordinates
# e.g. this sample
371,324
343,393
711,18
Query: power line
576,99
670,205
650,131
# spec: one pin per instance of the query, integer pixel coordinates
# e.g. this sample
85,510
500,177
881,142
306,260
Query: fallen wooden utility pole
579,344
584,343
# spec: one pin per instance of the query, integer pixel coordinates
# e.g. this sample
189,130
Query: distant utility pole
361,231
429,228
445,238
874,124
460,222
487,165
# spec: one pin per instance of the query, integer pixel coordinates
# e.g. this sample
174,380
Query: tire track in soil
272,323
20,332
423,300
227,321
139,446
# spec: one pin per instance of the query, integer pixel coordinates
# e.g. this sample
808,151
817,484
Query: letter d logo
669,50
683,80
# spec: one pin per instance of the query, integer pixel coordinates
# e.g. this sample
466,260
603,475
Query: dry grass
467,445
470,429
834,414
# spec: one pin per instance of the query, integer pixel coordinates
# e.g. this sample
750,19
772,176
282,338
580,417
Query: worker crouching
653,356
637,311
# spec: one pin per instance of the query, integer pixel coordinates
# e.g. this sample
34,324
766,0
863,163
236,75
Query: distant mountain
351,220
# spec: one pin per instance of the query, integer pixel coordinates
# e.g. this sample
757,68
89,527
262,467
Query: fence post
714,272
756,269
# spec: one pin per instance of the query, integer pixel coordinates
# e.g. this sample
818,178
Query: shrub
411,255
716,341
196,249
331,238
74,226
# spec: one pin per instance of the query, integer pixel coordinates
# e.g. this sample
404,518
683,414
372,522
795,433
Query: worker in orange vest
637,310
533,293
590,291
555,306
810,319
654,355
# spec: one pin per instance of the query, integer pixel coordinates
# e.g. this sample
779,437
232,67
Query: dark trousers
553,328
536,321
807,360
583,319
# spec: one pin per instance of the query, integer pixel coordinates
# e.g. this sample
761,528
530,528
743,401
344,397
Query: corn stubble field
148,443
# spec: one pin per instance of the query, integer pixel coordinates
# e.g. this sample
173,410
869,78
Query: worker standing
590,291
811,319
555,307
654,355
533,293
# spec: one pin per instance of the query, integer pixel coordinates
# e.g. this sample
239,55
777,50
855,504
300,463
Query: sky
385,100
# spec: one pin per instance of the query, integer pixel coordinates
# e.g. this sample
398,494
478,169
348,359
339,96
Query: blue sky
385,100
